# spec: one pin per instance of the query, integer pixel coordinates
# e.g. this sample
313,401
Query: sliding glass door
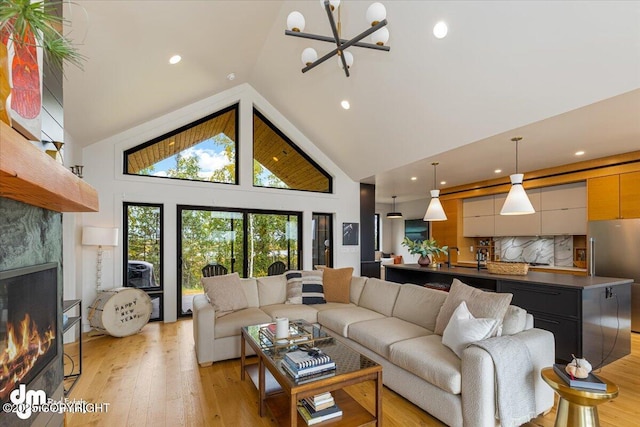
241,241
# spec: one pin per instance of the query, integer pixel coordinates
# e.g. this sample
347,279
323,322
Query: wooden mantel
31,176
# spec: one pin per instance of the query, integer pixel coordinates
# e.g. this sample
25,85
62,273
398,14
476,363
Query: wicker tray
514,268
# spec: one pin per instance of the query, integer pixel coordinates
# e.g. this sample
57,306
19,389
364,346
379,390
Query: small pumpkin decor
428,250
578,368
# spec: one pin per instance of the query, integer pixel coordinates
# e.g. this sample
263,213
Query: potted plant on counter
428,250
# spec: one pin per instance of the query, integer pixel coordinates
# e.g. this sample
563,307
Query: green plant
427,247
27,24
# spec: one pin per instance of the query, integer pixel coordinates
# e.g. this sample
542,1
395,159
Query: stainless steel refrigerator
614,251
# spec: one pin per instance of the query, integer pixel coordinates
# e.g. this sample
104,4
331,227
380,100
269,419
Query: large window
242,241
204,150
143,252
279,163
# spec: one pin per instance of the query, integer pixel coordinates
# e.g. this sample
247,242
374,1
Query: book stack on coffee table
307,364
318,408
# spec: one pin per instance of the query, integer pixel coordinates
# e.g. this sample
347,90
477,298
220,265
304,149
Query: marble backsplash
552,250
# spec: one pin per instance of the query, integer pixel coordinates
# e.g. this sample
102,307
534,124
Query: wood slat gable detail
277,155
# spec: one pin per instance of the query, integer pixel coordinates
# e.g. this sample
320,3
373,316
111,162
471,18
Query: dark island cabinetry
589,316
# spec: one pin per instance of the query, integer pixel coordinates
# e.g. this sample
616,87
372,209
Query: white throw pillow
464,329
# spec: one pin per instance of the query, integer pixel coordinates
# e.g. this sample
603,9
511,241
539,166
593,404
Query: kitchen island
590,316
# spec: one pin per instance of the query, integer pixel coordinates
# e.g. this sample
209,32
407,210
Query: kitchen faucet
449,255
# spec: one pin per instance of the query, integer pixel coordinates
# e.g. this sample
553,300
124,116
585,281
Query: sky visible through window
211,157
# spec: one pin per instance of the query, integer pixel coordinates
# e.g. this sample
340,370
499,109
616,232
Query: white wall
103,169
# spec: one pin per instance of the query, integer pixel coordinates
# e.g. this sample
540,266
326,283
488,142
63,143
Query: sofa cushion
337,284
250,288
339,319
515,320
379,295
305,287
427,358
331,306
419,305
357,285
464,329
272,289
292,311
480,303
225,293
378,334
229,325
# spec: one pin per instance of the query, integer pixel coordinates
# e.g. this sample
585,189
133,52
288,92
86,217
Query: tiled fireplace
30,303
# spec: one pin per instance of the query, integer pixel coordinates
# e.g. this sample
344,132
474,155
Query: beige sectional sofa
394,325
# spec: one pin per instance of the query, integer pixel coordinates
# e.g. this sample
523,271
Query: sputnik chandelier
376,16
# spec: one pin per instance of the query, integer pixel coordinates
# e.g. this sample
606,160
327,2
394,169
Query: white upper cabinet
567,196
478,217
478,206
560,209
564,209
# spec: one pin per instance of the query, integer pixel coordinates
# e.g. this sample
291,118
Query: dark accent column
368,267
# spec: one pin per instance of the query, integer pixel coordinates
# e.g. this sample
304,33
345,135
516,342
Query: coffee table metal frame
281,393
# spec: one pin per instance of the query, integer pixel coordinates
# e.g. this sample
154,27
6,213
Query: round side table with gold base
578,407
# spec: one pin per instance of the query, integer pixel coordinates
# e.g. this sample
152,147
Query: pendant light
435,211
394,214
517,202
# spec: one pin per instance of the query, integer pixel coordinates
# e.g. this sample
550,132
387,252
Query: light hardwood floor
152,379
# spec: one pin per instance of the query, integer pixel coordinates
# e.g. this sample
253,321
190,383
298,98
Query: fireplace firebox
28,324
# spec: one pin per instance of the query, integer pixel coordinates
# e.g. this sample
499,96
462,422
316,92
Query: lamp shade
295,21
394,214
98,236
517,202
435,212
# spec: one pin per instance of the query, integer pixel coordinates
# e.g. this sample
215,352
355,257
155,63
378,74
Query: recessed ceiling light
413,178
345,104
175,59
497,171
231,76
275,159
440,30
579,153
443,182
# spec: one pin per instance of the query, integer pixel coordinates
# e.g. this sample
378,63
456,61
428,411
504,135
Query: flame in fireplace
24,345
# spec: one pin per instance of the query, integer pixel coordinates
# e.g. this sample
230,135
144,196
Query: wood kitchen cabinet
614,196
630,195
563,209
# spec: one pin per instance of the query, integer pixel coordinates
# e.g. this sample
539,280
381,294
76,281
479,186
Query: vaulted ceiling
564,75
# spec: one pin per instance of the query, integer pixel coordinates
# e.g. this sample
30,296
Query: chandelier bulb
348,58
333,4
376,13
295,22
309,56
380,37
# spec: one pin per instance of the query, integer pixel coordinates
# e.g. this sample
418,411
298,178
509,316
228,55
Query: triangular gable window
204,150
279,163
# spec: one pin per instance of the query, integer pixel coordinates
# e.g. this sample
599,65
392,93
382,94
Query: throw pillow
464,329
337,284
305,287
225,293
480,303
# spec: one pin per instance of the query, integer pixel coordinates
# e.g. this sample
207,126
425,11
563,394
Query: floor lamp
97,236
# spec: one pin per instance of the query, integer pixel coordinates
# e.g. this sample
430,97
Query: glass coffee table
280,392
